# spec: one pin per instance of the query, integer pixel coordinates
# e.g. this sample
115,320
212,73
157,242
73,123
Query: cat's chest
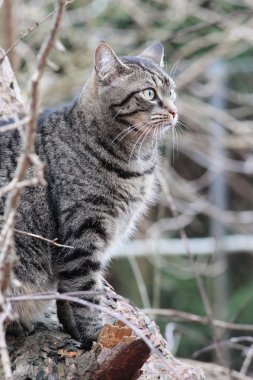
141,194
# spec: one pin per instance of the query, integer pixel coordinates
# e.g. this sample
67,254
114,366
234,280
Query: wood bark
49,353
11,102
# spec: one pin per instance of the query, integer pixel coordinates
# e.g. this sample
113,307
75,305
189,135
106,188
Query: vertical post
218,187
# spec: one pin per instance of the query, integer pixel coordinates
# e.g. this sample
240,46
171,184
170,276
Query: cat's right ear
107,65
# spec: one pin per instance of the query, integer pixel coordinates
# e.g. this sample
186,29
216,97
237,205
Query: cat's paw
87,343
17,328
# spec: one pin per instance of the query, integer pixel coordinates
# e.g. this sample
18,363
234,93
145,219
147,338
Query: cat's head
135,90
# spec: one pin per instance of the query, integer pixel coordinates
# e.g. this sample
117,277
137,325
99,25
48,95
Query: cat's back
10,143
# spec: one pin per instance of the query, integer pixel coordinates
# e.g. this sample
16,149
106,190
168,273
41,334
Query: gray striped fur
100,156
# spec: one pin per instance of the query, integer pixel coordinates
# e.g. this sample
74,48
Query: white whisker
153,140
154,147
156,139
178,129
174,68
173,146
176,135
114,117
138,139
125,130
139,150
183,124
160,132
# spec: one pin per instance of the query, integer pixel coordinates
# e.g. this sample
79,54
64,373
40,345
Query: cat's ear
155,52
107,65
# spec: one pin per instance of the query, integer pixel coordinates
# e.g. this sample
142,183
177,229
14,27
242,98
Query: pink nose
173,113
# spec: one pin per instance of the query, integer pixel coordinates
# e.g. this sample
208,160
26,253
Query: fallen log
50,353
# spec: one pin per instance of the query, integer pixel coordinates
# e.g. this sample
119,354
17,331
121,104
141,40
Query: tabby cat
100,156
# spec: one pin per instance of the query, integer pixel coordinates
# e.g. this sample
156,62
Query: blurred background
205,206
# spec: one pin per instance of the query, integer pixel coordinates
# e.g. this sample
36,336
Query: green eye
149,94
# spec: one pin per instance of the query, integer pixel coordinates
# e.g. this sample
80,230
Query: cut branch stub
123,362
120,354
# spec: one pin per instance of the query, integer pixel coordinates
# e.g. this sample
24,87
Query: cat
101,165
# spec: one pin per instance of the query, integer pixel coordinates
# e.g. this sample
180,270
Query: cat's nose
173,113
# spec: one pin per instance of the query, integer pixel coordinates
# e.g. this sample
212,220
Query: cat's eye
149,94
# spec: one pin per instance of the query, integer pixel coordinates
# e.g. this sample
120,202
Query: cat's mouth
161,123
147,129
165,121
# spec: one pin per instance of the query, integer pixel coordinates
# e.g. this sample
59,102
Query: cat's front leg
80,271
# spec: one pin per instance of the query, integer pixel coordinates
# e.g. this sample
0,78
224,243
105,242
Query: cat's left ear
155,52
107,65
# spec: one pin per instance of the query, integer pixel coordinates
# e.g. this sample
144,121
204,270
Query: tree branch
7,256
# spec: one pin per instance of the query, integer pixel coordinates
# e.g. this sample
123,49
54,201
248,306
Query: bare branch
183,316
27,157
66,297
25,233
200,285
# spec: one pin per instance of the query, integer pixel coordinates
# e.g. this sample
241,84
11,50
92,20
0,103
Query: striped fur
100,156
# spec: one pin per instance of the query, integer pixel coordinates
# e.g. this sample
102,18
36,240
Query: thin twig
140,281
19,185
200,285
27,157
30,30
15,125
42,238
25,34
247,361
115,315
184,316
205,25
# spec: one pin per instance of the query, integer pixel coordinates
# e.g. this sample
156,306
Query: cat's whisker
114,117
139,124
174,68
124,131
178,129
127,131
139,129
173,146
160,133
153,140
175,143
142,127
184,125
176,135
154,147
156,139
138,139
166,65
139,151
